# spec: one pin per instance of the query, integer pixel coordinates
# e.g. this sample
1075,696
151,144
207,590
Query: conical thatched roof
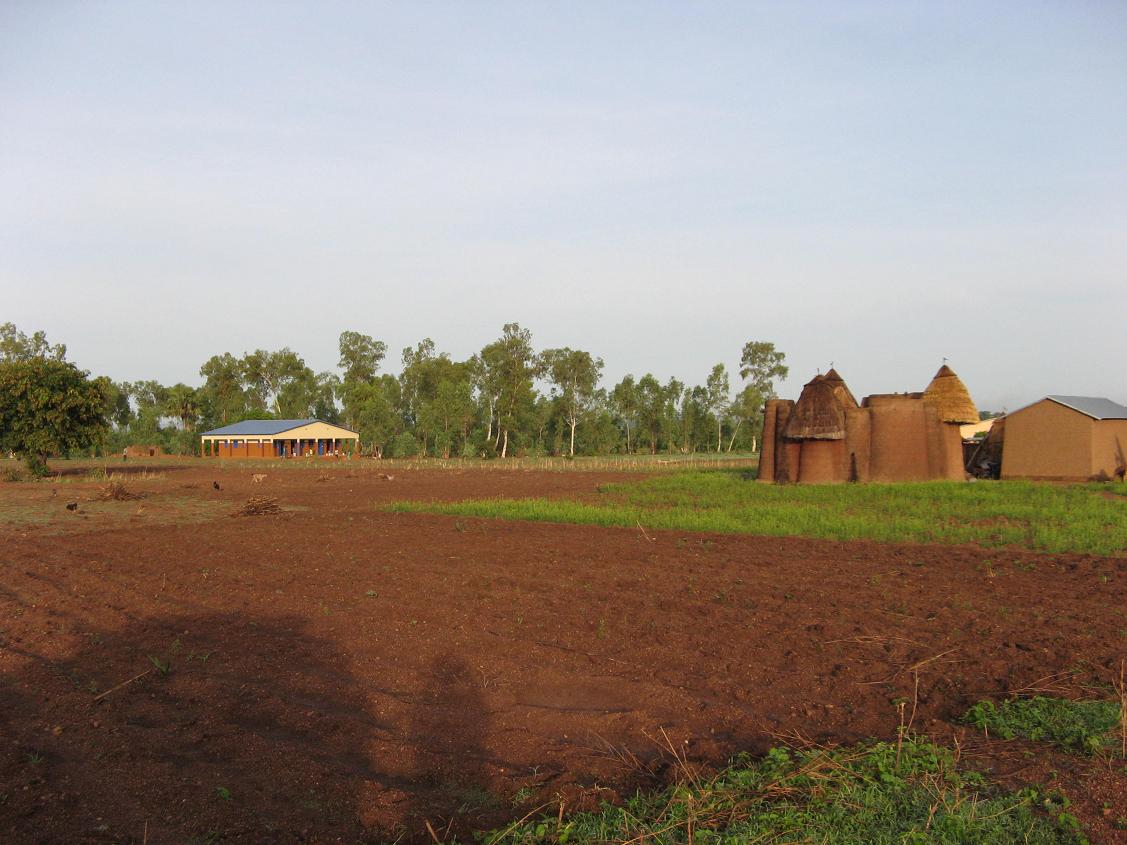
818,414
949,396
841,390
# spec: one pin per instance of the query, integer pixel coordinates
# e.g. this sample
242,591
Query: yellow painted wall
312,431
317,431
1047,440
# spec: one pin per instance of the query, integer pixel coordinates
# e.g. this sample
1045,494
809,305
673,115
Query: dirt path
338,673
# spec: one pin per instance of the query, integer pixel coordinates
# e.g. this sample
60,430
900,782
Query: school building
279,439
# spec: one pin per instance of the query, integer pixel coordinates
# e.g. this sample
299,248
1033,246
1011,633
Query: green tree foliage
510,365
488,405
182,402
624,401
377,415
223,388
760,365
747,411
659,407
49,407
574,376
718,399
151,401
118,410
451,412
360,357
279,382
16,346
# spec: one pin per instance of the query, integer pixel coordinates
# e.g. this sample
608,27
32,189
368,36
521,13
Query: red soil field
342,674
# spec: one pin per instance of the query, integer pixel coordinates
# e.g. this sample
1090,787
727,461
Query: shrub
403,446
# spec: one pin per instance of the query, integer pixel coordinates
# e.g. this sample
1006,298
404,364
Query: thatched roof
818,414
948,395
841,390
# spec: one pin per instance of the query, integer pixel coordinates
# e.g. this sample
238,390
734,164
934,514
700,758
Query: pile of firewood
117,492
259,506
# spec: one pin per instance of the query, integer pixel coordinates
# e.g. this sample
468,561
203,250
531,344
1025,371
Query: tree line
507,399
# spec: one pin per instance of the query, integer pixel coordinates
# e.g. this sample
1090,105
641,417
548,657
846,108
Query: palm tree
183,403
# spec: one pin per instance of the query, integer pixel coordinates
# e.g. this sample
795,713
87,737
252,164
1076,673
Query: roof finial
944,359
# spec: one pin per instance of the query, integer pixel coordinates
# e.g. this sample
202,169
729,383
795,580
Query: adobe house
1065,438
279,439
143,450
826,437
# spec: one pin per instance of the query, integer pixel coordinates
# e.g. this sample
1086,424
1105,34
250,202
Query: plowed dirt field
335,673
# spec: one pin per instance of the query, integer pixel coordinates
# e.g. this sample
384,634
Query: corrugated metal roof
254,428
1095,407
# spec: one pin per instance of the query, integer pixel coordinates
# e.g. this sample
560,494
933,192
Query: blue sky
880,185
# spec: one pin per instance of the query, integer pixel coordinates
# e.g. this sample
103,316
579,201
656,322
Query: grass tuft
1087,726
875,793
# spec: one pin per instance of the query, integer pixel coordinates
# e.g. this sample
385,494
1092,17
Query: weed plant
874,794
1090,727
1045,517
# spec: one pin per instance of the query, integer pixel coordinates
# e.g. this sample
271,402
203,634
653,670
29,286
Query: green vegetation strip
1087,726
873,794
1046,517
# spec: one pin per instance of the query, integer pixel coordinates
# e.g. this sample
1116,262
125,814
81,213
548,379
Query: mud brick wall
820,462
1048,440
898,447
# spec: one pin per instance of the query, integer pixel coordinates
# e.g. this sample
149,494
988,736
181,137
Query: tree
624,399
575,374
182,403
377,416
48,407
485,383
450,410
360,357
223,387
651,409
760,365
717,390
748,408
510,366
16,346
423,370
151,399
274,379
326,389
118,410
695,425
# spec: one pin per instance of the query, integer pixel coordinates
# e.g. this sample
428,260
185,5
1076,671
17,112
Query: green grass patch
1087,726
635,463
1046,517
874,794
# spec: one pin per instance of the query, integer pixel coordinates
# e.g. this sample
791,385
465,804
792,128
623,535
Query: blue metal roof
256,428
1095,407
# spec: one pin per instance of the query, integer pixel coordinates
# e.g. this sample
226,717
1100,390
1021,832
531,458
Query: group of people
312,453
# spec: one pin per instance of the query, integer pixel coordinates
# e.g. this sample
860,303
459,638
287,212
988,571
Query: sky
878,185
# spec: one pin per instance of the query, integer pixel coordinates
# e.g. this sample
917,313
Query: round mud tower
767,444
821,462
